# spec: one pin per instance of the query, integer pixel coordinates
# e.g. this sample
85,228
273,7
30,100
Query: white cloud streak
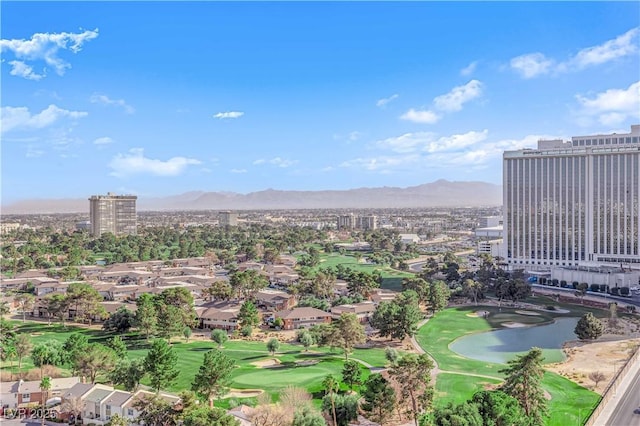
420,116
105,100
20,118
103,141
44,47
228,114
238,170
458,96
469,69
536,64
276,161
612,106
134,163
384,101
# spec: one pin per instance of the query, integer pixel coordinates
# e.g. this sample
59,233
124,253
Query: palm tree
45,386
330,385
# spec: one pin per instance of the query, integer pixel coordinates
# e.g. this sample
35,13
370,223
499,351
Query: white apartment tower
573,203
113,213
227,218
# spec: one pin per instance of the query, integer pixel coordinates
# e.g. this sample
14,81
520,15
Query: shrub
589,327
575,284
246,331
595,287
563,283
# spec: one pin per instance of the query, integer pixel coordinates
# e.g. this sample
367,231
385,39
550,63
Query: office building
227,218
113,213
573,203
366,222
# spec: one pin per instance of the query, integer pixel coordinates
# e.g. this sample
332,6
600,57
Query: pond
502,345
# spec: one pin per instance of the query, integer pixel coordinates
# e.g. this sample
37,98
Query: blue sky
160,98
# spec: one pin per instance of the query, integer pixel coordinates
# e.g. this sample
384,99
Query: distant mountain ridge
441,193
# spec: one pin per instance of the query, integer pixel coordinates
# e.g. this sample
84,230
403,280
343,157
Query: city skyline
162,98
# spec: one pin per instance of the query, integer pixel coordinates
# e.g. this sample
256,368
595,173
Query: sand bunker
512,324
267,363
527,313
478,314
243,393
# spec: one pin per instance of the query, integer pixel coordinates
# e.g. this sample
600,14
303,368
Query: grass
246,376
570,403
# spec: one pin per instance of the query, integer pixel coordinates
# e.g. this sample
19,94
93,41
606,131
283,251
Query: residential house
302,317
93,400
114,404
28,394
274,300
221,315
363,310
131,413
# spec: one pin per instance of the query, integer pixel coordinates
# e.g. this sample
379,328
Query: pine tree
379,396
160,363
212,379
523,382
413,375
589,327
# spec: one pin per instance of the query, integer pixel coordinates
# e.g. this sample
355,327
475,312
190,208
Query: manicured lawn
569,400
246,376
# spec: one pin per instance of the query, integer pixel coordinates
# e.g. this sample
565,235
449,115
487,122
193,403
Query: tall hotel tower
113,213
573,203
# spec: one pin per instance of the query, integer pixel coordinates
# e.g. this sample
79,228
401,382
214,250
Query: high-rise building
573,203
346,221
227,218
367,222
113,213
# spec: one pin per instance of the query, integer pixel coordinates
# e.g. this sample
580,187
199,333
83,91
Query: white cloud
33,152
458,96
105,100
228,114
535,64
469,69
420,116
20,69
612,106
384,101
427,142
238,170
134,162
103,141
44,47
21,118
532,65
382,163
621,46
354,136
276,161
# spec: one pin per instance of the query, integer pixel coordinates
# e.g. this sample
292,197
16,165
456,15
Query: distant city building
489,221
347,221
7,227
366,222
574,203
113,213
84,225
227,218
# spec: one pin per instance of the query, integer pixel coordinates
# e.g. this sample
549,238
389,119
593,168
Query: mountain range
441,193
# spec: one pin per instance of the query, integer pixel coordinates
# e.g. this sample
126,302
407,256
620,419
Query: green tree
45,387
464,414
351,374
219,336
306,416
48,353
117,345
146,315
581,291
346,332
57,305
23,346
121,321
161,364
398,318
331,386
273,345
154,410
25,303
128,373
499,409
86,301
212,379
117,420
95,359
379,397
523,382
412,373
419,285
208,416
76,344
186,332
248,315
589,327
306,339
346,408
438,295
391,355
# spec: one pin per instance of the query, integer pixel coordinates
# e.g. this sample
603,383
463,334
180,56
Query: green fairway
570,403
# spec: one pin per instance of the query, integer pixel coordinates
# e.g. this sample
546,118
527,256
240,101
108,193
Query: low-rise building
302,317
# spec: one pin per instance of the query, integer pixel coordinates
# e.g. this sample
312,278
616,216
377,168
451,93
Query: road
626,402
